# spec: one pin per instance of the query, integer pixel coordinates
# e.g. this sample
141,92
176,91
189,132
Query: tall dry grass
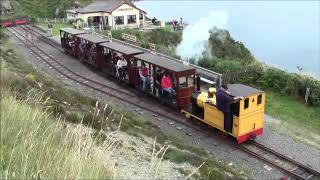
34,145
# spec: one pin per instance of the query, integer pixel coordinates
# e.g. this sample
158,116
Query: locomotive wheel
253,137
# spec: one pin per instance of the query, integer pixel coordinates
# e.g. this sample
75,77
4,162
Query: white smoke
195,36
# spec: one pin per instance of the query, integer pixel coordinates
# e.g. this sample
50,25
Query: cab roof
164,62
72,31
243,90
92,38
121,48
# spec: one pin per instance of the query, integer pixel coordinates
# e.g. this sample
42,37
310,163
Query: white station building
116,14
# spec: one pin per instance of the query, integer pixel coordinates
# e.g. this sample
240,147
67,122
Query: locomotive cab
248,114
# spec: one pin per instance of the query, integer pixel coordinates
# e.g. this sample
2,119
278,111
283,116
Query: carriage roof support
168,64
92,38
127,50
71,31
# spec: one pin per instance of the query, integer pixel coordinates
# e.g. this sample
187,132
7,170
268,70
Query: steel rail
76,74
280,161
166,114
217,76
313,174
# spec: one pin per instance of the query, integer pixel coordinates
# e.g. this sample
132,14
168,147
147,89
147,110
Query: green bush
291,84
225,47
164,40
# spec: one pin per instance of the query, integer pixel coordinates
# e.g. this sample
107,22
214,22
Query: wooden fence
236,76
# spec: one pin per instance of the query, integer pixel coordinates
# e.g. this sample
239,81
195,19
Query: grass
56,26
297,120
293,112
35,145
36,128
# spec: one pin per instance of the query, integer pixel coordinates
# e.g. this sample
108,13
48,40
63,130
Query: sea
284,34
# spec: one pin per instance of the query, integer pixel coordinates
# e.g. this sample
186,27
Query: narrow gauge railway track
62,69
286,164
133,100
39,34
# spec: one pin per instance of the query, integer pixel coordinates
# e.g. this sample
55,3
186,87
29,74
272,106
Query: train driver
224,102
144,75
121,67
166,84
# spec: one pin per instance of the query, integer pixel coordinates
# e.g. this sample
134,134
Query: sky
282,33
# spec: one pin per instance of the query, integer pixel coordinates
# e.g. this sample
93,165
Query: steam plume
195,36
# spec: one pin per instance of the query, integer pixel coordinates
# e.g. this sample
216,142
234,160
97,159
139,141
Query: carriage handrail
219,78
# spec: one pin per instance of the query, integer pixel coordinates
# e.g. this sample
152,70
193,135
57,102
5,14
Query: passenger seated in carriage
93,52
70,41
82,47
166,84
121,67
144,76
157,82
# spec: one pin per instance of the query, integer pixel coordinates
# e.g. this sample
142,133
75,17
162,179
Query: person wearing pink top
166,84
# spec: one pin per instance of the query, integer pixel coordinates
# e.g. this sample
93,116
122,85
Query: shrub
291,84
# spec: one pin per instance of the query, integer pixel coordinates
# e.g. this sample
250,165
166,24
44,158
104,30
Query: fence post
62,20
55,20
46,19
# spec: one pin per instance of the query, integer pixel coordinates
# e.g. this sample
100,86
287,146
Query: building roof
106,6
127,50
72,31
91,38
74,11
164,62
242,90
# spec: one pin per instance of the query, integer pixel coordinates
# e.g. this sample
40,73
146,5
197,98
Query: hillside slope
44,8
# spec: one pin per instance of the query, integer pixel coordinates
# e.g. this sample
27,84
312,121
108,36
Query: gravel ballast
215,143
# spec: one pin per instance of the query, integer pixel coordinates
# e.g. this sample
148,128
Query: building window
119,20
132,19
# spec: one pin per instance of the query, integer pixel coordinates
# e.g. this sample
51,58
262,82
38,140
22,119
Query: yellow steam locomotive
248,113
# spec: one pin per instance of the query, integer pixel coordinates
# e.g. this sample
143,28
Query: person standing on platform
50,27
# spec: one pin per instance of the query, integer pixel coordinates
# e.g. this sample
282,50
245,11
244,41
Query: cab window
259,101
246,103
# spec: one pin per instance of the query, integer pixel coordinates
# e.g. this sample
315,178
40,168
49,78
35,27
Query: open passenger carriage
69,42
110,52
88,48
182,76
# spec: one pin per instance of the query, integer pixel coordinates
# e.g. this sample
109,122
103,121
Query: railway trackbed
283,163
130,98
